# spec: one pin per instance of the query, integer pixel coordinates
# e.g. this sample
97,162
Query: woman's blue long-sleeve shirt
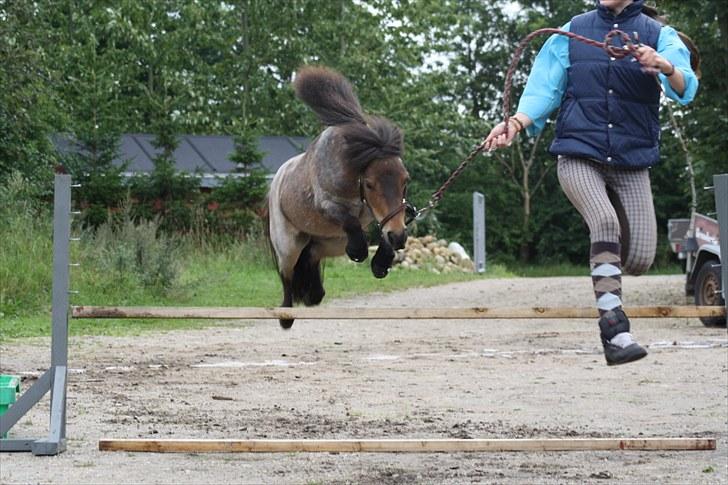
547,82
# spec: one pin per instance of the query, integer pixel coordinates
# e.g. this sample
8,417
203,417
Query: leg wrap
613,323
606,272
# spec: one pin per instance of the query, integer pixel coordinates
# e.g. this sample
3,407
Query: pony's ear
379,138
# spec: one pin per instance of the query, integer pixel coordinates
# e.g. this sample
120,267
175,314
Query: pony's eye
404,191
369,186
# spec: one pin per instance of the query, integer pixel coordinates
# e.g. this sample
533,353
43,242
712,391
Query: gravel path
388,379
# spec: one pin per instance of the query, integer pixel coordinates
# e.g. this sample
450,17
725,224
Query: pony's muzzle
397,239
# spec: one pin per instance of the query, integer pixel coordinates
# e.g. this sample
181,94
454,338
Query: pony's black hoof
286,323
382,260
314,297
357,248
379,271
357,254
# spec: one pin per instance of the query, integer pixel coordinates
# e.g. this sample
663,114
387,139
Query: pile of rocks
435,255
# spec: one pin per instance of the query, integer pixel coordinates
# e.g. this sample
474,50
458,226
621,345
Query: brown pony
320,201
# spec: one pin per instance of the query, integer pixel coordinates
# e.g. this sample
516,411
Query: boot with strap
620,347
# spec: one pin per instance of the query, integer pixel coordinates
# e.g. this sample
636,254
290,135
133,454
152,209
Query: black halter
410,210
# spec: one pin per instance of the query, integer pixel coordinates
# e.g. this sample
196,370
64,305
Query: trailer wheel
707,291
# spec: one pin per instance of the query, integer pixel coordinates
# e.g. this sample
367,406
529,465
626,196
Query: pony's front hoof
286,323
357,254
357,248
379,271
382,260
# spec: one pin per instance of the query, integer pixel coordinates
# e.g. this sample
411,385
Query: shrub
166,195
25,247
129,253
101,193
232,208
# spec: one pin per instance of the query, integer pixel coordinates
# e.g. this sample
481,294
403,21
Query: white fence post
479,232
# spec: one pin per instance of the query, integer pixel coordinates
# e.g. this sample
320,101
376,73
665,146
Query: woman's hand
649,58
654,62
500,137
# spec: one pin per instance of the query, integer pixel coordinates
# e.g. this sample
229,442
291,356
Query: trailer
696,241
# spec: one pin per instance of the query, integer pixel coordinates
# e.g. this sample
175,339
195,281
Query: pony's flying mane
331,96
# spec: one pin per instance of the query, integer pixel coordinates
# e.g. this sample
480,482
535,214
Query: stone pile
434,255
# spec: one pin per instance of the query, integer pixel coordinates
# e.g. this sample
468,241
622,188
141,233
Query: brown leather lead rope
628,47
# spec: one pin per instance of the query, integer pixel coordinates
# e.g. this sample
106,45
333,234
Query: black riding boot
619,345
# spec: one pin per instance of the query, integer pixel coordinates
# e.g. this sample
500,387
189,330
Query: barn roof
208,156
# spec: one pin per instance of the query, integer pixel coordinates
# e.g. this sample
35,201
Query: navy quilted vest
610,108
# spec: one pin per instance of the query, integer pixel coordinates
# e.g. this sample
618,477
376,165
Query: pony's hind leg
307,278
286,265
286,323
288,244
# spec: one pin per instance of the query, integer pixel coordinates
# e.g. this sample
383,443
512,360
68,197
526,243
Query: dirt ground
389,379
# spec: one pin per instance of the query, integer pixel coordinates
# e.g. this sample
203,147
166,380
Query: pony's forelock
378,138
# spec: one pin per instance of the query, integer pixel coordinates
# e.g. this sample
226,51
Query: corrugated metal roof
207,155
215,149
278,149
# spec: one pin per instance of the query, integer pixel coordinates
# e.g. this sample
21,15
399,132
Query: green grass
25,263
133,266
238,276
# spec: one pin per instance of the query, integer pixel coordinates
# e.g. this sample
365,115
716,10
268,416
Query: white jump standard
54,379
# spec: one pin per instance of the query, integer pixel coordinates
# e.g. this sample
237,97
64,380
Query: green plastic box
9,389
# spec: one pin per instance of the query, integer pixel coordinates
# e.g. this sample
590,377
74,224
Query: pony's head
384,188
374,149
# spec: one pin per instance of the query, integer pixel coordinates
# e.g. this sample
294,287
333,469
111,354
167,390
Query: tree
88,83
485,39
434,67
28,103
703,121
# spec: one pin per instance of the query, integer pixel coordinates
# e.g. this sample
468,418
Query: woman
607,137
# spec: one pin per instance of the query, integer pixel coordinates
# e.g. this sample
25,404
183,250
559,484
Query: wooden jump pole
405,445
394,445
333,313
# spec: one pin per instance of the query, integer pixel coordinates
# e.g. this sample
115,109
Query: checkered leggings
616,204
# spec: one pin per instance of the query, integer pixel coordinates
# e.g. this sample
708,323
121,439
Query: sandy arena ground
389,379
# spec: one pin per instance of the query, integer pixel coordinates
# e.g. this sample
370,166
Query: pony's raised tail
329,94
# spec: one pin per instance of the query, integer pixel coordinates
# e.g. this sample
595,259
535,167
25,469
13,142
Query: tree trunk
525,249
688,160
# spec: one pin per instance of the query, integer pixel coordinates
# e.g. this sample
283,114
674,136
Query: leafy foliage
27,105
25,267
132,253
95,70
